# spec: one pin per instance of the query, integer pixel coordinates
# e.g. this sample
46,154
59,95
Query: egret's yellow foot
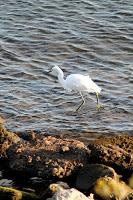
99,107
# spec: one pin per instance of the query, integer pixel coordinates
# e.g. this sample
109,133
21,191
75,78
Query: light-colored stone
69,194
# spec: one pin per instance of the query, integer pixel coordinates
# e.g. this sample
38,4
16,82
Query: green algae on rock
13,194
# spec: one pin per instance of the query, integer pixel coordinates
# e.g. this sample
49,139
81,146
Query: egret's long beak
50,74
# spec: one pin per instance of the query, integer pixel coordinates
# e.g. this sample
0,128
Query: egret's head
55,70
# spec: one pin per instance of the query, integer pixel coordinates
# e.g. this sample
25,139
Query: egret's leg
98,107
97,97
82,103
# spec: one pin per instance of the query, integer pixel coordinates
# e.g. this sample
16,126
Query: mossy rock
108,188
6,140
13,194
6,135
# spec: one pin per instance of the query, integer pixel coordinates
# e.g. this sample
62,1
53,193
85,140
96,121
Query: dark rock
123,141
113,153
129,196
88,175
28,136
39,184
37,181
48,156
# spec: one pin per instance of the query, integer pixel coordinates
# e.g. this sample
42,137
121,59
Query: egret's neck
61,78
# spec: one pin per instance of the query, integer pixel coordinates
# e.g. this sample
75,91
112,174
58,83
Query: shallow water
81,36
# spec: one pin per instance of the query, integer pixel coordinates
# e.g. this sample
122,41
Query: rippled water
81,36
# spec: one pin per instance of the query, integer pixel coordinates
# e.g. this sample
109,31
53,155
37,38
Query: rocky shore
56,168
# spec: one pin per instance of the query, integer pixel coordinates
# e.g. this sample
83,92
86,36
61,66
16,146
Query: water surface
81,36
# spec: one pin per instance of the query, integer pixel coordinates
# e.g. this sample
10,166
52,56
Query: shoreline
43,160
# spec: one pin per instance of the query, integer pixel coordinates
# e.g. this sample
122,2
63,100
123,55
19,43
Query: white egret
78,83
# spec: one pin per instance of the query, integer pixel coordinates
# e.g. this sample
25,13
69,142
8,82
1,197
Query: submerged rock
89,174
48,156
113,153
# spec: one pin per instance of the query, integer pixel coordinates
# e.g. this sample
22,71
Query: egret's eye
50,70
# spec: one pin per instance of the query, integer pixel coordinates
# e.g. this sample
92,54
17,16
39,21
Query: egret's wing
87,75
